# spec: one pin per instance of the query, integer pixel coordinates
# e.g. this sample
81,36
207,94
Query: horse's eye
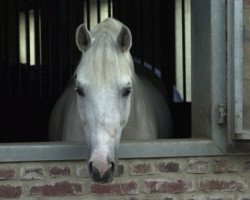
126,92
80,92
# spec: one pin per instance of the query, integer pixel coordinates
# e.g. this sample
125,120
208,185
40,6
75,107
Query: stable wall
196,178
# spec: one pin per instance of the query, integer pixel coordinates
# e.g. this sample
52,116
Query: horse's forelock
103,61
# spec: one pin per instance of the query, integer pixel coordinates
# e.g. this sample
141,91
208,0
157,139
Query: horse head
104,85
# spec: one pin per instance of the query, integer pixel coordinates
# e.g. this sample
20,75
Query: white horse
107,101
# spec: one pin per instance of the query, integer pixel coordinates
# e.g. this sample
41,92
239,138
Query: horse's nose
101,171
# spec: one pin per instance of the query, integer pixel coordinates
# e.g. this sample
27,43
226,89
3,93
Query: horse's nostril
112,166
90,166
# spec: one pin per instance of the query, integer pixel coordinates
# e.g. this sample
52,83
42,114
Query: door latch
222,114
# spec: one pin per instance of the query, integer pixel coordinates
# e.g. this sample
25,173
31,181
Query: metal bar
70,23
230,70
80,11
184,51
27,30
17,22
1,43
109,8
141,34
152,34
83,8
64,42
45,45
118,10
238,57
60,37
238,63
8,46
167,45
88,14
1,29
98,11
37,43
50,46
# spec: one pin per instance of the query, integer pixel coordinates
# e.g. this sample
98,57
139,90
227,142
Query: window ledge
57,151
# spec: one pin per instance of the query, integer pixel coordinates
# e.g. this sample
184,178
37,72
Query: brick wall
205,178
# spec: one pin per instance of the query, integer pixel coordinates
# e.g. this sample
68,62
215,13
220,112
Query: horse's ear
83,38
124,39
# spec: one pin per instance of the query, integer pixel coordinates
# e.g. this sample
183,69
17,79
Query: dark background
28,92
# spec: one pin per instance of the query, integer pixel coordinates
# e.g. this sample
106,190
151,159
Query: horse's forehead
85,81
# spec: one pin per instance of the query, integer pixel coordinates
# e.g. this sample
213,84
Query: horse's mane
104,61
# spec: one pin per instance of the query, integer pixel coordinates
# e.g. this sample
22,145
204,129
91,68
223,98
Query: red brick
56,171
244,197
32,172
120,170
166,167
10,192
7,173
141,168
208,185
58,189
82,171
209,197
221,166
115,188
166,186
246,167
197,166
132,198
222,197
246,2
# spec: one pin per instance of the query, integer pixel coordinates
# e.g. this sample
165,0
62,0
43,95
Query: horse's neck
142,120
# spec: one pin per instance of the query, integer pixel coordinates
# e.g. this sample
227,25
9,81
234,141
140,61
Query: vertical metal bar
1,30
59,32
49,25
37,43
167,45
237,46
109,8
141,34
152,35
7,27
84,9
80,11
13,50
119,9
27,30
98,11
184,51
64,41
18,48
88,14
4,28
5,50
1,42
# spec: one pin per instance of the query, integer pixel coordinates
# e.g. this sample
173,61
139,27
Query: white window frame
208,53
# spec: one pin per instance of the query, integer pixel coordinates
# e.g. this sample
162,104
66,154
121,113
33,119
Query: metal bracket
222,113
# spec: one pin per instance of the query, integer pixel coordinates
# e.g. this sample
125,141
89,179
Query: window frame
215,142
235,60
236,138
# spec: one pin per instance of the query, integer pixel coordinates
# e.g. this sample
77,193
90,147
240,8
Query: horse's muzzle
102,174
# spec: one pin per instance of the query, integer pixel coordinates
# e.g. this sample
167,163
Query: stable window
192,45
